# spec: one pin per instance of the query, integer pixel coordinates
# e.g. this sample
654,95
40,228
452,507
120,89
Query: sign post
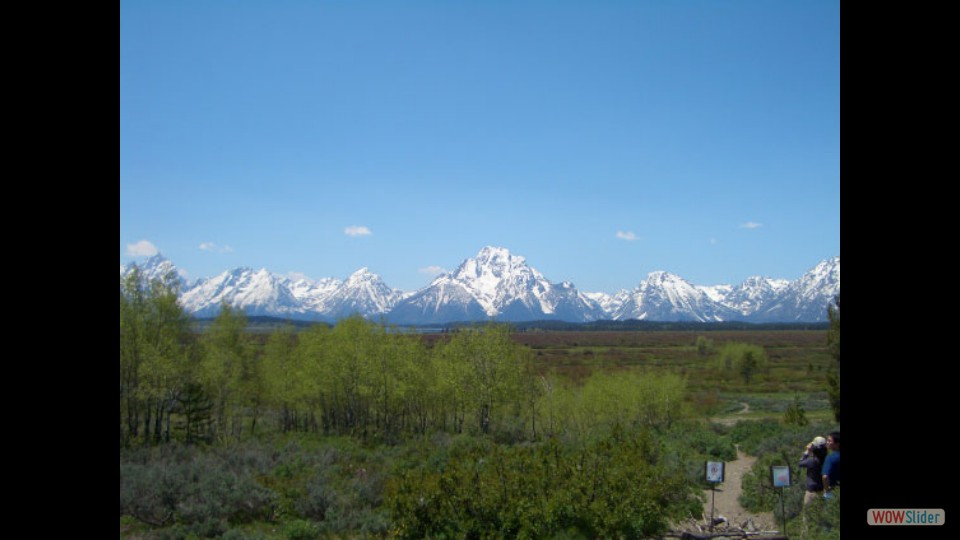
714,476
781,479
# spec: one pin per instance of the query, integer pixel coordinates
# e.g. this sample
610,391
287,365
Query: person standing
812,460
831,466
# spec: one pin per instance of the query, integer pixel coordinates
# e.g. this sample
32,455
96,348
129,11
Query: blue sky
600,140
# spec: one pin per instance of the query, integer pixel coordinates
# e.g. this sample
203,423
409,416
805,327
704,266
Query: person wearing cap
812,460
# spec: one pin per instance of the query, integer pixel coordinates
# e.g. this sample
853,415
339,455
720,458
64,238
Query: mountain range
496,284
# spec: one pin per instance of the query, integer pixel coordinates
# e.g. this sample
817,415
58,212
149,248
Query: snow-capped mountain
716,292
750,296
668,297
364,293
257,292
495,284
263,293
312,294
609,303
153,268
805,299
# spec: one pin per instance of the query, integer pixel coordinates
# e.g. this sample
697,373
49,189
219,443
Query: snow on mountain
153,268
311,294
444,300
256,292
363,293
668,297
716,292
807,298
495,284
750,296
262,293
608,303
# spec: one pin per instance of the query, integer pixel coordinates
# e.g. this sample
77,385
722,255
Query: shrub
705,346
618,486
744,359
202,494
237,534
301,529
795,413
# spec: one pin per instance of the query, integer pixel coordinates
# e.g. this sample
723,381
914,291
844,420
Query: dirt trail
731,420
726,504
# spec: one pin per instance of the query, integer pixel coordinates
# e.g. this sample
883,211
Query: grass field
798,364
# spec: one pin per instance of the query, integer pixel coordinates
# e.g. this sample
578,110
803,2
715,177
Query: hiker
831,466
812,460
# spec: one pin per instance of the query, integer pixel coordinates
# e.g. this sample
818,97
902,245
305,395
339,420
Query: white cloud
357,230
143,248
210,246
628,236
433,270
713,241
751,225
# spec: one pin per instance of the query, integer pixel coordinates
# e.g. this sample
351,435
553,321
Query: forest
362,430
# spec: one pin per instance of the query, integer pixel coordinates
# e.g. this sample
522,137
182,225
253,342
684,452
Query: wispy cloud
433,270
143,248
751,225
357,230
628,236
210,246
713,241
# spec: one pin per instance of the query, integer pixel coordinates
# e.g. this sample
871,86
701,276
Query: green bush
202,494
795,414
822,519
301,529
614,487
750,434
316,500
743,359
707,442
237,534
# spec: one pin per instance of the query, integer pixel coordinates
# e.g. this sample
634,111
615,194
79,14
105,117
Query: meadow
798,362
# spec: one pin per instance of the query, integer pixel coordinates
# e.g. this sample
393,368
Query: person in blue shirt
831,465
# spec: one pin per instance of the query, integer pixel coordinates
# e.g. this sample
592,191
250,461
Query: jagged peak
662,276
363,272
494,255
494,251
156,258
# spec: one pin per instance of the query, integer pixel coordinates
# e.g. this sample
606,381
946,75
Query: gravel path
726,504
